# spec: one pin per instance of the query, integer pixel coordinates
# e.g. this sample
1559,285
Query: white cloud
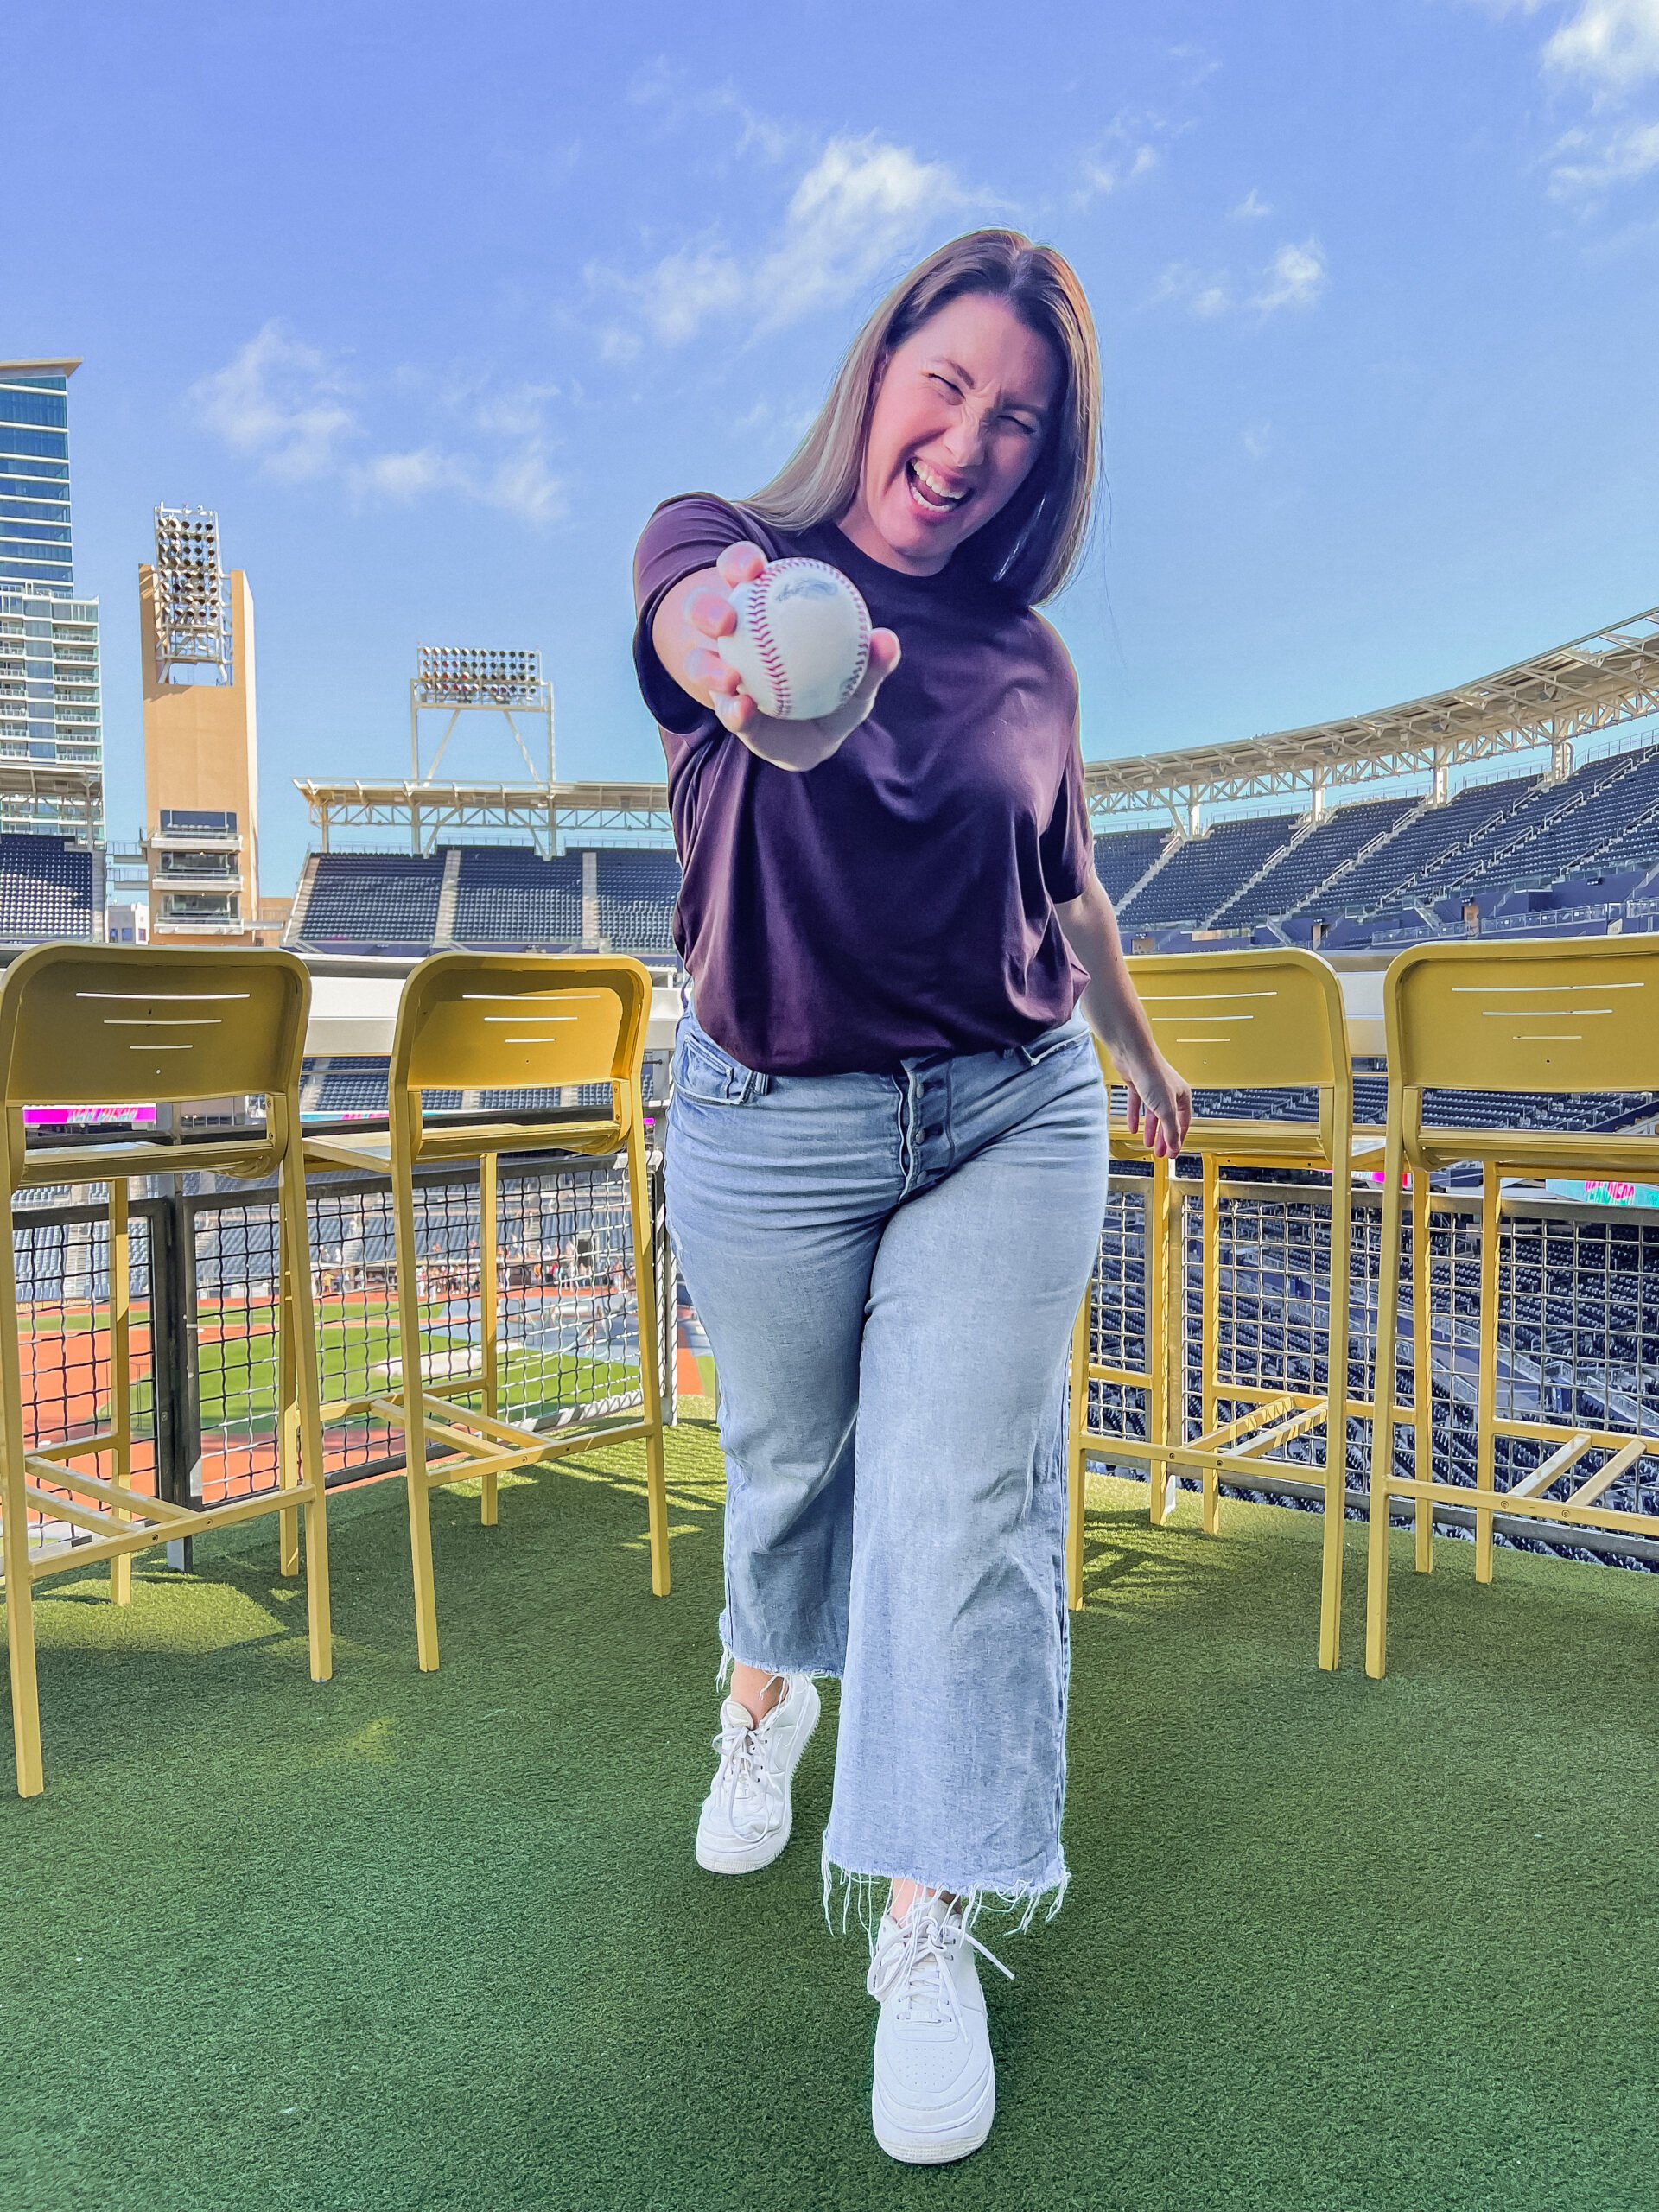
286,406
1597,162
861,203
660,84
1256,438
280,401
1613,43
1250,209
1295,278
1106,174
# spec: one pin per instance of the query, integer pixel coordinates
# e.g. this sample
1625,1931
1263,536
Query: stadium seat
1235,1020
1574,1018
480,1021
94,1025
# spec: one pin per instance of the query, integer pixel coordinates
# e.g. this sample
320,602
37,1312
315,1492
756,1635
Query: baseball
801,643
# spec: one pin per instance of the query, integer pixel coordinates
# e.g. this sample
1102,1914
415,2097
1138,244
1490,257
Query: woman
887,1142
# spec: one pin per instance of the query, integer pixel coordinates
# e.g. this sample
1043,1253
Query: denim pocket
703,1071
1075,1030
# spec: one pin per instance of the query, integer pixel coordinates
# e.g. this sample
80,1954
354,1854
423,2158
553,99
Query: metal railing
1578,1334
204,1343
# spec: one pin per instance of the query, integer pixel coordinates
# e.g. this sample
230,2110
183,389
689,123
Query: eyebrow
1025,406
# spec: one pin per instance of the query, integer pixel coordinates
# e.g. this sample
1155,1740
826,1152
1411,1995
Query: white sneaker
747,1816
934,2095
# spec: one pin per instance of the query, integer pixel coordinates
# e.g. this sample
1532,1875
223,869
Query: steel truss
1594,684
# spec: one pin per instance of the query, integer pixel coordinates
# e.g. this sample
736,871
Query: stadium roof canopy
1592,683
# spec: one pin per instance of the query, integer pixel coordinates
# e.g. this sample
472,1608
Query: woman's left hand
1160,1104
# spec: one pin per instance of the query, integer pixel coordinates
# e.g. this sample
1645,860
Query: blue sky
434,303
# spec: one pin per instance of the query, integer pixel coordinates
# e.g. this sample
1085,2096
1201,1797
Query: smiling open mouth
930,501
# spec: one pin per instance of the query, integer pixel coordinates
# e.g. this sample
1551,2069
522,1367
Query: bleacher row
504,896
1372,865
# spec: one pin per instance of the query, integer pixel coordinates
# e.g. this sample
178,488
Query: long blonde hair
1034,545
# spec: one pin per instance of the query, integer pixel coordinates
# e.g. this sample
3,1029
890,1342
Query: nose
965,440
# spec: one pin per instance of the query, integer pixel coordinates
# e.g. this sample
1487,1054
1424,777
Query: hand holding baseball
788,743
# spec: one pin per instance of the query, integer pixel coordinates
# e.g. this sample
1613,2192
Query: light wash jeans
888,1268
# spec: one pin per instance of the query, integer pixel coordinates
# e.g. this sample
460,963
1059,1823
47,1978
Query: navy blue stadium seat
374,899
509,895
45,890
638,887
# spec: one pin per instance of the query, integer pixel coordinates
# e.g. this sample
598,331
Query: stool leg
14,1530
644,1282
303,1412
1388,1305
1210,1346
1161,1273
489,1302
1422,1371
288,1414
411,1390
121,1373
1076,1432
1486,1400
1336,1412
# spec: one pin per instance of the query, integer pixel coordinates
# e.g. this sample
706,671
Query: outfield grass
404,1940
238,1378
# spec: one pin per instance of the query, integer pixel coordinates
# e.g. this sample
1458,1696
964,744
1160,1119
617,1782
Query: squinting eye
945,381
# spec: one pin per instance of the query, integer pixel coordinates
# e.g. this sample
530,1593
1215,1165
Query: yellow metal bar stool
475,1021
1575,1017
97,1026
1237,1022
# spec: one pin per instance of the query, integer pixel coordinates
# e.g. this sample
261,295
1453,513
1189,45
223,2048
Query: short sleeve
683,536
1068,842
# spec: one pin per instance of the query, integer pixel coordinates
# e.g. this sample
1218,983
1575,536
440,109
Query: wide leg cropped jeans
888,1268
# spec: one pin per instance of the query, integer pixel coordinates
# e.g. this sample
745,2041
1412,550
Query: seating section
638,887
1301,868
1438,832
356,1084
1123,857
45,890
368,900
1587,812
1208,870
1454,1109
509,895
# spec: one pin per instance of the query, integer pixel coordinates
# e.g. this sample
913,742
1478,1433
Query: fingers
741,563
712,612
1134,1110
886,652
704,666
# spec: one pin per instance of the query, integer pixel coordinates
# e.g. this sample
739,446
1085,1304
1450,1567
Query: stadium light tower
457,680
192,603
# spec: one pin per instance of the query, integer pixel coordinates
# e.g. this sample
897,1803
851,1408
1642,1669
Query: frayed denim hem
729,1659
864,1894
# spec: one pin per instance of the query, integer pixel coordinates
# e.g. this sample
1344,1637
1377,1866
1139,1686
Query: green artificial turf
406,1941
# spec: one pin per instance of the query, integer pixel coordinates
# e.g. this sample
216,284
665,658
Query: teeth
931,484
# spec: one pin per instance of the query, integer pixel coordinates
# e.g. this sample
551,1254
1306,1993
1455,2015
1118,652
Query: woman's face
960,413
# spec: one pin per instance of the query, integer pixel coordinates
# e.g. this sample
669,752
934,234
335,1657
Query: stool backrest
1246,1020
1582,1015
522,1020
106,1025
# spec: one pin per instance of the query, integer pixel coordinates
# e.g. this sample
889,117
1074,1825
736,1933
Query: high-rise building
201,772
51,726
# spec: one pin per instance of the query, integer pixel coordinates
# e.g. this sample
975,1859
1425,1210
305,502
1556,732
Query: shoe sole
747,1862
911,2150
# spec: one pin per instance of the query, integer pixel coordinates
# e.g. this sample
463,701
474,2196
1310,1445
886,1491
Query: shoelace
740,1776
920,1966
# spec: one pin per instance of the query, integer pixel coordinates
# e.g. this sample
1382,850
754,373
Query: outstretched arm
698,611
1159,1098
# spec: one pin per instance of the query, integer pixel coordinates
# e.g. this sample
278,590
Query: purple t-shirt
899,897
